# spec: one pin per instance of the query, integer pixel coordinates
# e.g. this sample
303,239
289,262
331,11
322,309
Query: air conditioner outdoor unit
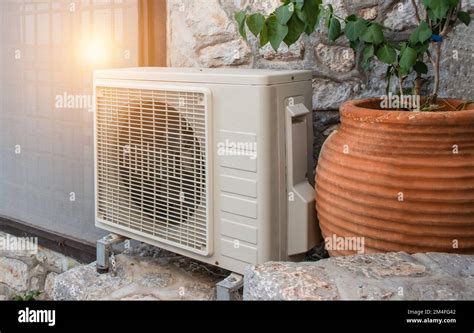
213,164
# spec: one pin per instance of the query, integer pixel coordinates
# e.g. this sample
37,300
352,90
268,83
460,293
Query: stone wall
204,34
144,272
21,272
382,276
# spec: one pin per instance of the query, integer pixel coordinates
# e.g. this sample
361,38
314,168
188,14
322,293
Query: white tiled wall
46,152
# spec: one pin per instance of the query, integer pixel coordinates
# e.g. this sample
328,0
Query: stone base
21,272
391,276
145,273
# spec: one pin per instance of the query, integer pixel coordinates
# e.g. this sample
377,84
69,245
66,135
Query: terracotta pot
402,180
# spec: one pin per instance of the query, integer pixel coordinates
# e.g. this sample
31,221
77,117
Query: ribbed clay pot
402,180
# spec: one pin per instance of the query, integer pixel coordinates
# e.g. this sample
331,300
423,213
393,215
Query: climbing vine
435,21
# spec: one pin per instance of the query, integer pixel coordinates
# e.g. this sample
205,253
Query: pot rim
352,109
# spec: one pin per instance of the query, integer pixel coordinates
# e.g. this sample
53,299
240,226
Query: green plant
296,17
28,296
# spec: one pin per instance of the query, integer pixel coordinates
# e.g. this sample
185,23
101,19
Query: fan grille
151,164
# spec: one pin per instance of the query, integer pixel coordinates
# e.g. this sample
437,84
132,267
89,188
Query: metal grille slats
151,164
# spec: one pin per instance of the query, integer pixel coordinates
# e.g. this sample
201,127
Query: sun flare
95,52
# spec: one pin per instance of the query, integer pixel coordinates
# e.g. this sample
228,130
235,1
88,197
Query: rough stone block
284,54
329,94
384,276
14,273
54,261
219,55
336,58
147,273
288,281
368,13
452,265
377,266
49,285
401,16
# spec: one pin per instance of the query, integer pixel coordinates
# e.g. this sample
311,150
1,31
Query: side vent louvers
151,164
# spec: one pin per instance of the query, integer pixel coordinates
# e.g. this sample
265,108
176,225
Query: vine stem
437,47
446,28
417,13
418,20
400,84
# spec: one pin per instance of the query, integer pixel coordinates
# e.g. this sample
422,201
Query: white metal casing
259,204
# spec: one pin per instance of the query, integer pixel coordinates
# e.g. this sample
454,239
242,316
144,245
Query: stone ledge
23,271
390,276
145,273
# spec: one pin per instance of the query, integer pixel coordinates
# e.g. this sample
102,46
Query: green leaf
373,35
351,18
387,54
295,29
403,47
403,72
431,15
407,59
320,16
367,53
276,32
422,48
283,14
421,34
299,4
350,32
396,46
327,18
334,29
414,37
312,10
255,22
355,29
464,18
264,36
439,8
379,25
330,9
241,17
301,15
425,32
420,67
354,44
